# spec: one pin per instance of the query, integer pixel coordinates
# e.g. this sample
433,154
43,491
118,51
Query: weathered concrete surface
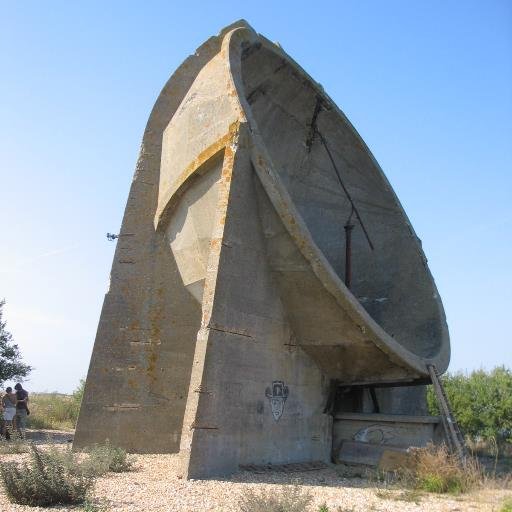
227,320
139,374
381,439
395,430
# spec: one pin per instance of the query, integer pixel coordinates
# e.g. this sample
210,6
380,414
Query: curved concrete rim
232,47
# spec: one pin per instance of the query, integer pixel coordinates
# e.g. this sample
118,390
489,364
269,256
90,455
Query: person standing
9,411
21,409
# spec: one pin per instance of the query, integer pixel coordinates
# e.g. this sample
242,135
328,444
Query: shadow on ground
50,436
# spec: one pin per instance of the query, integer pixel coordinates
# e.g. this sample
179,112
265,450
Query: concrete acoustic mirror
269,300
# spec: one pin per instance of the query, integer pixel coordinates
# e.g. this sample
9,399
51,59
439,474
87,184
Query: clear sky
428,85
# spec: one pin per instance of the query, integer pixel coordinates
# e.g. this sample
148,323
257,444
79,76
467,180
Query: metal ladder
454,437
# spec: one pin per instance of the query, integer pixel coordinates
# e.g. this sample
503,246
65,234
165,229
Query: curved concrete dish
391,324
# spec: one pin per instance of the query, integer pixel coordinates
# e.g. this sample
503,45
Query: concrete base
361,437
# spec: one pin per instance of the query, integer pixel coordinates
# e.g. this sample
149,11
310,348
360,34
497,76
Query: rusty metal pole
348,253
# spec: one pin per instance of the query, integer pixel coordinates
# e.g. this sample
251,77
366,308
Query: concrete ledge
392,418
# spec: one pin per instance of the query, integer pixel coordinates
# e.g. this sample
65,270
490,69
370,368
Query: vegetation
14,446
49,478
436,470
506,506
11,365
55,410
100,459
482,403
59,476
408,495
89,506
106,457
285,499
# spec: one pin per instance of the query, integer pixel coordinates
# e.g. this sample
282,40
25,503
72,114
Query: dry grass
52,411
325,508
104,458
490,448
285,499
438,471
13,446
407,495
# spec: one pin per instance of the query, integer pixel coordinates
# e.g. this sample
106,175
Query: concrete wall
140,367
383,429
246,344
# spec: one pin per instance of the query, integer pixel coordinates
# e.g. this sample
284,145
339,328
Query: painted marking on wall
277,396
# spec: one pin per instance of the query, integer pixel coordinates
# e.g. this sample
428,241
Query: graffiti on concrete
277,396
375,434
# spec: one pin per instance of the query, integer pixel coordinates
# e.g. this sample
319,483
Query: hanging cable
349,197
348,249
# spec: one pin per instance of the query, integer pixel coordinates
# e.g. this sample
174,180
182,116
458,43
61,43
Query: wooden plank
355,452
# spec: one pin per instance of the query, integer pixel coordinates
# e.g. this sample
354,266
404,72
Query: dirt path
53,436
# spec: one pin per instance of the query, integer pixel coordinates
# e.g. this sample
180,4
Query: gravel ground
156,485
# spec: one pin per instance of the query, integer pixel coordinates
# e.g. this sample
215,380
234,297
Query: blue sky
428,85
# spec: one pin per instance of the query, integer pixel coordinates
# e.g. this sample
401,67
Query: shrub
76,397
89,506
285,499
106,457
506,505
49,478
437,470
14,446
481,401
411,496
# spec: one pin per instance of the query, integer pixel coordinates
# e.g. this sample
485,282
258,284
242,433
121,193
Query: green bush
106,457
57,475
285,499
49,478
437,483
481,402
506,505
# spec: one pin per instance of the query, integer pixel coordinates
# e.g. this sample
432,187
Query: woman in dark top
21,409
